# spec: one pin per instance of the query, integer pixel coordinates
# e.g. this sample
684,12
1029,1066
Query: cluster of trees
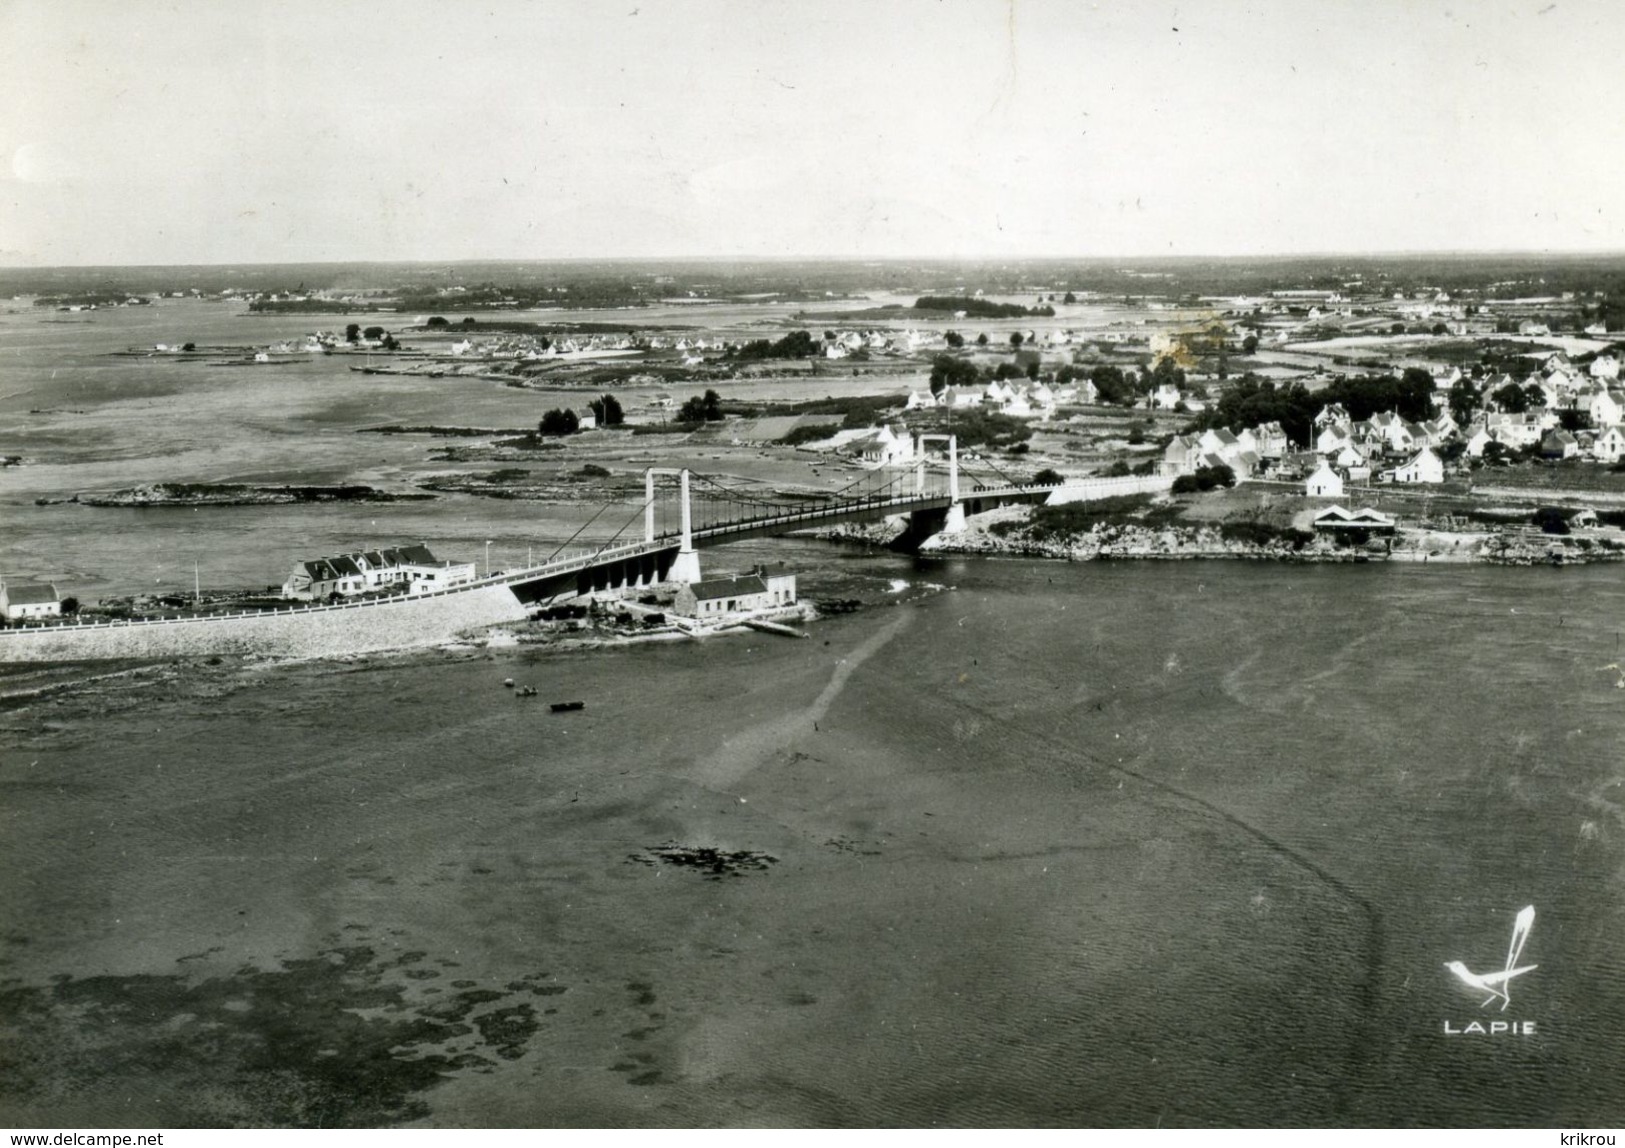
560,421
607,410
353,333
973,427
979,308
948,371
437,322
795,345
1205,478
1251,401
705,408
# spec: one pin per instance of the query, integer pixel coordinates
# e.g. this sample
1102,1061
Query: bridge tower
687,566
956,508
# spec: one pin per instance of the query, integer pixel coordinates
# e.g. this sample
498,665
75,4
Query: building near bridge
413,568
740,594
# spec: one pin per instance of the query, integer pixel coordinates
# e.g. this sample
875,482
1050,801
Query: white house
20,600
717,596
1609,446
957,398
1165,397
1333,415
1477,442
414,567
1180,456
1424,467
1605,366
1331,439
1606,408
883,446
1324,483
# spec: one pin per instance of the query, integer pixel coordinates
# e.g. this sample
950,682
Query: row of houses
414,568
1036,400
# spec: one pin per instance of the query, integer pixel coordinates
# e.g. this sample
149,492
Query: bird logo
1496,985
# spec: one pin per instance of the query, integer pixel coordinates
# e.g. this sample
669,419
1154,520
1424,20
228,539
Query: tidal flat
1058,845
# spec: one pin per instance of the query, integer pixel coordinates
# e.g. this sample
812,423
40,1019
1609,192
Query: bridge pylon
956,508
686,568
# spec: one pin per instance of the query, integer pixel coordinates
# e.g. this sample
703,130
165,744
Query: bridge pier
955,523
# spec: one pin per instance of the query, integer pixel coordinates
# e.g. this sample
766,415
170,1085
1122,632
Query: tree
469,321
1015,339
1573,420
437,321
954,339
607,411
1032,371
1464,400
1511,398
373,333
981,340
1048,477
189,347
559,422
70,605
352,332
1249,345
950,371
1112,385
1069,298
1536,396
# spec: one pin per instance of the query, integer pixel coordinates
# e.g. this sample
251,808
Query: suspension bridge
655,540
684,511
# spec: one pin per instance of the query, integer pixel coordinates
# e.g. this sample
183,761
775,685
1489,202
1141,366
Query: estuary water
1055,844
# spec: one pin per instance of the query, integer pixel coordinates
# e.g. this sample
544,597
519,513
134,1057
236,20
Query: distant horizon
850,260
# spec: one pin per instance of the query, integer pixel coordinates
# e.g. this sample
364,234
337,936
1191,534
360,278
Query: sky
191,132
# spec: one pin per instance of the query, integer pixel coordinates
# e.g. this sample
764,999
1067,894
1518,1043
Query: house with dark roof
19,600
1337,519
715,597
414,568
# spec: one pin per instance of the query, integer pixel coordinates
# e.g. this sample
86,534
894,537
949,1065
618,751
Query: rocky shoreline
1189,543
165,494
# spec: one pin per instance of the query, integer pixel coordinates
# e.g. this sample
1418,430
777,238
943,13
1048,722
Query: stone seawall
386,625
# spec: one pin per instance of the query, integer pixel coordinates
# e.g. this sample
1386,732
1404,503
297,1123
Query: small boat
567,707
525,692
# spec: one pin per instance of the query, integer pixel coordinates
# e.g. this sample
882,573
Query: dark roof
728,587
418,555
30,593
344,565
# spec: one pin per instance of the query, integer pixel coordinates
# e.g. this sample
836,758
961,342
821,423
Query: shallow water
1097,844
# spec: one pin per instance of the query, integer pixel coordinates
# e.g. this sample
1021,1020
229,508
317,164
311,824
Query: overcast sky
174,132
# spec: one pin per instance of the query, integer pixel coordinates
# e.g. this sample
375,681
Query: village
1502,401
